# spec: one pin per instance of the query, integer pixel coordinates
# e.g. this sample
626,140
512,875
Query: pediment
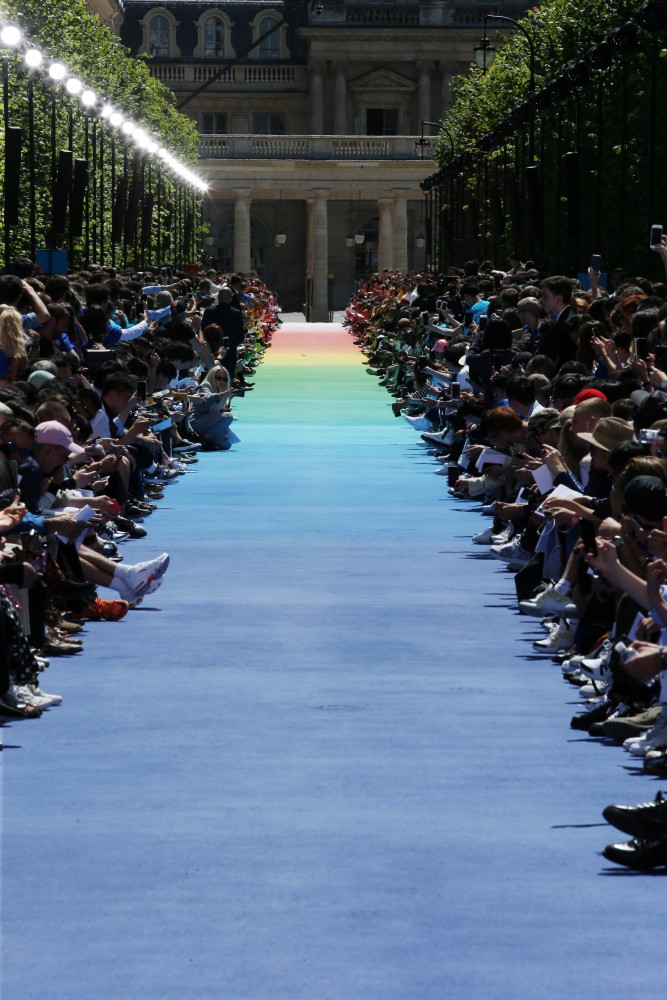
382,79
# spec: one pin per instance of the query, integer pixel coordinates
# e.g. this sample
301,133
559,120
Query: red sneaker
105,611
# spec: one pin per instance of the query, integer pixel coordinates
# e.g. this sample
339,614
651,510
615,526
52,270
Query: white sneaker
24,695
548,602
656,737
152,567
560,637
53,699
136,582
484,537
511,552
594,689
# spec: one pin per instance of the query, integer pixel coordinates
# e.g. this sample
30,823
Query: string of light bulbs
12,37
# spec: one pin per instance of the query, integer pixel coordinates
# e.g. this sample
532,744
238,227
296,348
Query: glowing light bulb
57,71
74,86
10,35
88,98
33,58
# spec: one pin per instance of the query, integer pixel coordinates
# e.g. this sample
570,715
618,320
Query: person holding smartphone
211,410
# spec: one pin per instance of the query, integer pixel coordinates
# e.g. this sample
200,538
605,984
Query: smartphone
456,390
162,425
142,390
481,323
596,262
656,236
467,319
588,536
225,341
648,436
641,347
661,358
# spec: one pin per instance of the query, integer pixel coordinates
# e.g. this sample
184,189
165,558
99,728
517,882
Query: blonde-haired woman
12,343
212,418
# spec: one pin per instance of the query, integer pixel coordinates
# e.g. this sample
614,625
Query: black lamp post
485,54
423,143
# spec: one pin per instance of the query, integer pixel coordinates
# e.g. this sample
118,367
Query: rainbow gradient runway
319,765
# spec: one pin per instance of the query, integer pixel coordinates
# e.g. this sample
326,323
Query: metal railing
308,147
187,76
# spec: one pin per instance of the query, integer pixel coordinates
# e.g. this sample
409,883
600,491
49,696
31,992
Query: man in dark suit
556,339
230,320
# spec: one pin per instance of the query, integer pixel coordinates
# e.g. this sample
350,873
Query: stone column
424,93
386,234
340,100
316,100
445,95
320,251
310,236
242,230
401,232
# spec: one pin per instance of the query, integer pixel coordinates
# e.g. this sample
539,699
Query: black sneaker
595,713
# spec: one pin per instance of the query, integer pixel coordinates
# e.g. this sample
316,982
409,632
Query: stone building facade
308,139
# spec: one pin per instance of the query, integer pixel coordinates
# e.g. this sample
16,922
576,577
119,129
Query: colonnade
392,210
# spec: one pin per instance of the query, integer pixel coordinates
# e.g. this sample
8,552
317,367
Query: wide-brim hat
608,433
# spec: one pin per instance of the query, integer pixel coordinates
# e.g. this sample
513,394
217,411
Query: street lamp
422,144
485,53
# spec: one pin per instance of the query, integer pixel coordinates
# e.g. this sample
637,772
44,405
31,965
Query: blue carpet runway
321,764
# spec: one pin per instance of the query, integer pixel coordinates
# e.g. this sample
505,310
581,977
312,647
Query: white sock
119,582
563,587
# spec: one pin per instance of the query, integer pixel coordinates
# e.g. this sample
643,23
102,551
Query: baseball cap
53,432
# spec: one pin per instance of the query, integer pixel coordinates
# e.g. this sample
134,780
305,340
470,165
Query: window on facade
158,36
214,123
268,123
214,38
382,121
270,47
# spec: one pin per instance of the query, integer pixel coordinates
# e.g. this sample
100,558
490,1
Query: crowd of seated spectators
544,403
111,384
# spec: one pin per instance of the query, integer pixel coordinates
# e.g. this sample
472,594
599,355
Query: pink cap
53,432
440,346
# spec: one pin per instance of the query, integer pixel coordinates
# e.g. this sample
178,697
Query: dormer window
214,38
158,37
214,32
275,46
159,26
269,48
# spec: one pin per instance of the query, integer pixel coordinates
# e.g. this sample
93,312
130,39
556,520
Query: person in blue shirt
474,303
